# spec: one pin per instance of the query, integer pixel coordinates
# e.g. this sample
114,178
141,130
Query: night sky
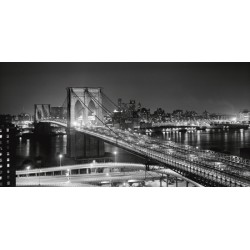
215,87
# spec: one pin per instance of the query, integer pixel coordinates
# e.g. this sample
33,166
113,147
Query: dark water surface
45,151
229,141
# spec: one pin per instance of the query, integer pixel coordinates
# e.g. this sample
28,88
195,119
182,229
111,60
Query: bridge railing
80,166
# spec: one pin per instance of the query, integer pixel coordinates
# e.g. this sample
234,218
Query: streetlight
68,174
27,168
115,153
39,176
107,174
60,159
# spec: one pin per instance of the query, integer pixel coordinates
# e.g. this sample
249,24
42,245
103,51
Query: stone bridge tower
83,105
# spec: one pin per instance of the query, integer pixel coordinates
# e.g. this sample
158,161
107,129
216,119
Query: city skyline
215,87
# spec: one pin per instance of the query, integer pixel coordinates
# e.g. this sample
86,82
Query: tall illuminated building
7,154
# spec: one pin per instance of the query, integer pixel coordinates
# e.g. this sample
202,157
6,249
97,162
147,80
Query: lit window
8,171
1,165
1,136
7,136
7,130
8,165
8,183
0,154
0,130
8,159
8,153
0,160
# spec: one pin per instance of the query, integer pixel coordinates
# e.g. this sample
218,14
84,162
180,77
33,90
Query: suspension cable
95,114
64,103
99,104
109,99
117,135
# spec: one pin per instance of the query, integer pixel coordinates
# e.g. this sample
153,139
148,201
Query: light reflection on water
227,141
47,149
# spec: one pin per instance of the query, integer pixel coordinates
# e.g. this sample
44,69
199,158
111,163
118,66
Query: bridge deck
226,170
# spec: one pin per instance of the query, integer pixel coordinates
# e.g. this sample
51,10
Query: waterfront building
244,116
24,117
7,154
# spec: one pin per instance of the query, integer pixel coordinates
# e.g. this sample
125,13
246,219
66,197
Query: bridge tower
84,106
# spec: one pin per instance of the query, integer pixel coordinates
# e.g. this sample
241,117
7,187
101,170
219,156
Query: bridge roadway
203,166
72,175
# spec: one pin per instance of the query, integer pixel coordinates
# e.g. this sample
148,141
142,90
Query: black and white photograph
124,124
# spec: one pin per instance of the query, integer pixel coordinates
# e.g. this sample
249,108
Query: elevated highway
96,173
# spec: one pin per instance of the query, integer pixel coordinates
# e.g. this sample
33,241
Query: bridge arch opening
78,112
92,111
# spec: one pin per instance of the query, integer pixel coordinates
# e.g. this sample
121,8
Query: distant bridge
186,126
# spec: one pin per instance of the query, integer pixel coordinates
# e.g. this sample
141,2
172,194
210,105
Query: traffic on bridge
203,166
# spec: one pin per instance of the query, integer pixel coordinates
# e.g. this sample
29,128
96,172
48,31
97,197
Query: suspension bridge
88,115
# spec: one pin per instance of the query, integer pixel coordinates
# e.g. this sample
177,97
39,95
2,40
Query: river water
44,153
227,141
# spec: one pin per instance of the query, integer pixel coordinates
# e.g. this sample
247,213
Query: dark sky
216,87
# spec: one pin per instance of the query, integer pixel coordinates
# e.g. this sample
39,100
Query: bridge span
202,166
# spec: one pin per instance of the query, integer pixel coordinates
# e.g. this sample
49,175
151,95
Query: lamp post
60,159
39,176
115,153
68,174
28,168
107,174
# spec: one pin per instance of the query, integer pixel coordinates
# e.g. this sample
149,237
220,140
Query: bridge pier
42,129
80,145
